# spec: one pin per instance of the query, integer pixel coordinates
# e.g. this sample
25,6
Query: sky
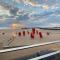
30,13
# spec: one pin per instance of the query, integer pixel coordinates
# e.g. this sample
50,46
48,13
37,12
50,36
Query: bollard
33,30
28,32
47,33
23,33
19,33
40,35
32,35
37,31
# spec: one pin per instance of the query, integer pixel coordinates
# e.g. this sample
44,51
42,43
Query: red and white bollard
47,33
23,33
28,32
19,33
32,35
40,35
37,31
33,30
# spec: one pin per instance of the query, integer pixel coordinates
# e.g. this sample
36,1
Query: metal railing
26,47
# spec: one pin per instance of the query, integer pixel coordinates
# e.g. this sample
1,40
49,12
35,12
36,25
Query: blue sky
30,13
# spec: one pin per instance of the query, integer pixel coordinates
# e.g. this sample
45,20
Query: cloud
53,25
4,11
30,12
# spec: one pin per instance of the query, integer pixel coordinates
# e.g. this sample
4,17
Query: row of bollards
32,33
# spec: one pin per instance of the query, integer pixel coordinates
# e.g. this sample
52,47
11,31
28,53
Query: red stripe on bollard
32,36
40,35
47,33
19,33
33,30
23,33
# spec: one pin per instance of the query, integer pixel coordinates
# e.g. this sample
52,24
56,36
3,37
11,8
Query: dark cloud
14,11
23,17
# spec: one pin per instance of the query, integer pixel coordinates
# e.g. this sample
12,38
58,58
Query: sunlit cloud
30,13
4,11
16,25
30,2
54,25
45,7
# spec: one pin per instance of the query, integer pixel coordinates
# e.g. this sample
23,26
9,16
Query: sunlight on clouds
29,2
16,25
35,12
45,7
4,11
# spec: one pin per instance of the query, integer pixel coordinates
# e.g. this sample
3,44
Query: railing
45,56
26,47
